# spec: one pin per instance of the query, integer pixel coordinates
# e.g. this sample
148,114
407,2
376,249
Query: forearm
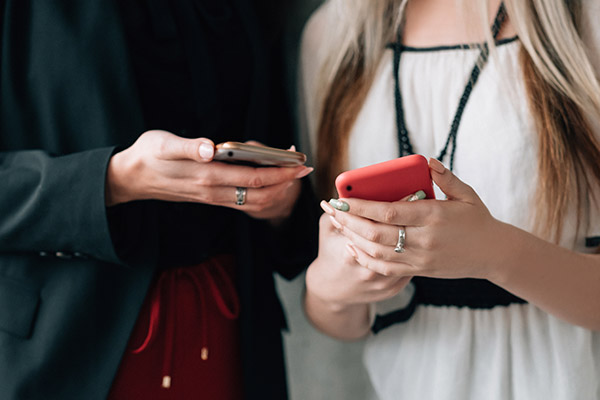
559,281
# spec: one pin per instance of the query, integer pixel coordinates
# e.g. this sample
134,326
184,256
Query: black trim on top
477,294
473,46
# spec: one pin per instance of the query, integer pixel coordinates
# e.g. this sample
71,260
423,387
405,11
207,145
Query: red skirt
185,343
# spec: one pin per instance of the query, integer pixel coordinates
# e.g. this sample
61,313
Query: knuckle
385,270
435,215
161,144
377,253
372,235
348,259
389,215
256,181
367,275
427,242
206,179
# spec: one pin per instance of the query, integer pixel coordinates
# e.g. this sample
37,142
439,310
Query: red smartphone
387,181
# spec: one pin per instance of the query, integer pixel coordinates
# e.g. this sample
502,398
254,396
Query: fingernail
420,195
206,151
437,166
351,250
304,172
327,208
339,205
292,148
335,223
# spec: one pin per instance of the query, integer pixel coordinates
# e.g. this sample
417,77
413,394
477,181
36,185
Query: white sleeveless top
513,352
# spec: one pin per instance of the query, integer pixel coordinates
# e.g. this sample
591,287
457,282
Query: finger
369,230
255,177
454,188
173,147
402,213
256,199
376,249
385,268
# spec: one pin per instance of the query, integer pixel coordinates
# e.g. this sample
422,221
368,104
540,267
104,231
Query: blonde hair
558,75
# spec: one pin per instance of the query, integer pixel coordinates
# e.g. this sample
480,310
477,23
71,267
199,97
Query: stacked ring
401,239
240,194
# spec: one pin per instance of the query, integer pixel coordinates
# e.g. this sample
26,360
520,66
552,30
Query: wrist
511,244
319,293
118,180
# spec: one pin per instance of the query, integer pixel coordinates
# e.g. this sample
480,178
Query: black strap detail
592,241
471,293
405,147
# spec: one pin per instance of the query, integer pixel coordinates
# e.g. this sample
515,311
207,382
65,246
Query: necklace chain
403,138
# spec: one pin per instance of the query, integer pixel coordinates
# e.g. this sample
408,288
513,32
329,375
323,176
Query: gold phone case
242,153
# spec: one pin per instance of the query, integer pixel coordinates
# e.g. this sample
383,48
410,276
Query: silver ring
401,239
240,194
413,197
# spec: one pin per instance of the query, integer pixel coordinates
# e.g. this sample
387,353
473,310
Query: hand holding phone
387,181
249,154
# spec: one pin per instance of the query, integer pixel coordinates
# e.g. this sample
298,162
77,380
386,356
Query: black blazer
72,274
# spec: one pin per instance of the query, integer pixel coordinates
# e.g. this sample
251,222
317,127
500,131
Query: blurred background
318,367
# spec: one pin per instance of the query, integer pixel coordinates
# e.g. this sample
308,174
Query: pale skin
163,166
453,238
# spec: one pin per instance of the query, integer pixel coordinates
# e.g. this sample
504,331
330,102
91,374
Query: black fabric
592,241
471,293
74,90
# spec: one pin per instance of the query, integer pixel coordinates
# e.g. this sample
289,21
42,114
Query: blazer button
61,254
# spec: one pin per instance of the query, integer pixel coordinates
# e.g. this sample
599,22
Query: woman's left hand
453,238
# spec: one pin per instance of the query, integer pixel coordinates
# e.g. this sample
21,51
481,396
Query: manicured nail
292,148
327,208
335,223
352,251
304,172
206,150
339,205
437,166
420,195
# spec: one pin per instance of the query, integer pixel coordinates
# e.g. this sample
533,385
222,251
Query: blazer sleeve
55,205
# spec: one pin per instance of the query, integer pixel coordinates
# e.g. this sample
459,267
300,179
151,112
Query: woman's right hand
336,277
339,290
163,166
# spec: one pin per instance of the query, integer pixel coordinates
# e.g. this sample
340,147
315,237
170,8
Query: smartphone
387,181
249,154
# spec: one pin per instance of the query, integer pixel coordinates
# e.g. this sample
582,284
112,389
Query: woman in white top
495,291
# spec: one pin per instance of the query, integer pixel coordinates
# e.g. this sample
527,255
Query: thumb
173,147
454,188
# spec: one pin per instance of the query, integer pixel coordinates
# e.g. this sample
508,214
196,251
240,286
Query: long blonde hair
560,82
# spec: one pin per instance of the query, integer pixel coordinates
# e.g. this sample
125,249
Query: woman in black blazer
95,216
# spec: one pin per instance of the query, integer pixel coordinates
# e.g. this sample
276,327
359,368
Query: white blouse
514,352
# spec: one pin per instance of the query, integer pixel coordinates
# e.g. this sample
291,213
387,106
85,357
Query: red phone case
387,181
